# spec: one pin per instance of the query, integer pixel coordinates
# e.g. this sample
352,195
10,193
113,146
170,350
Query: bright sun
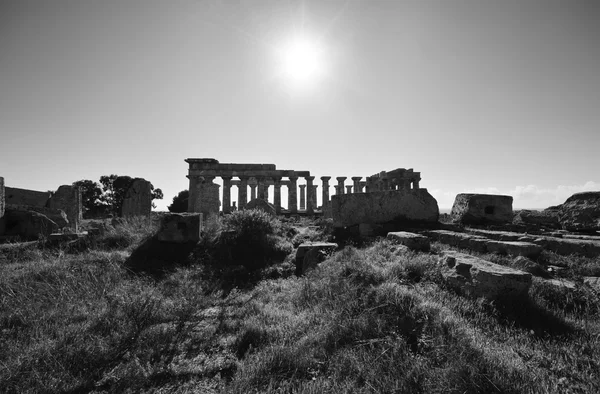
301,61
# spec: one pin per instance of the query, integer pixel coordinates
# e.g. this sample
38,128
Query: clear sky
485,96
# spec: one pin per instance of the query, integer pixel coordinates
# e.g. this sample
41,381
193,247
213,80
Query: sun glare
301,61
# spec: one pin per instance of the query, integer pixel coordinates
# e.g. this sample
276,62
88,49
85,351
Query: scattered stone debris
484,245
411,240
476,277
310,254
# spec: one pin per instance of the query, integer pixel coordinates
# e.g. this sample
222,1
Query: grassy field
374,319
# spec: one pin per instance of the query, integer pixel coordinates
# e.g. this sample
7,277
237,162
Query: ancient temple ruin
204,195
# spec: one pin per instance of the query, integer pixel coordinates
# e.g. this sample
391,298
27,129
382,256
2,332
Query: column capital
293,178
309,178
356,178
302,186
226,178
341,178
325,178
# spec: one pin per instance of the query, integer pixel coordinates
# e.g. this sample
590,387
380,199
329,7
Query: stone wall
383,207
138,199
68,199
482,209
32,198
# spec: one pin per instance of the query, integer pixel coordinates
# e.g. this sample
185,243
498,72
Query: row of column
203,192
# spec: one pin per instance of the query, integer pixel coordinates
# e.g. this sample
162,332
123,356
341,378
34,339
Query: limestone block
310,254
28,224
514,248
68,199
138,199
460,240
482,209
548,219
383,207
476,277
262,205
581,212
180,227
411,240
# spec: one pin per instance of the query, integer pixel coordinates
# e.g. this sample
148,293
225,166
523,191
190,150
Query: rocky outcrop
482,209
411,240
416,206
262,205
180,227
581,212
2,206
475,277
310,254
138,199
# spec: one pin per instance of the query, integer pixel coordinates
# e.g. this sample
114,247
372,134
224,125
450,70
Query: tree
180,202
115,188
157,194
91,197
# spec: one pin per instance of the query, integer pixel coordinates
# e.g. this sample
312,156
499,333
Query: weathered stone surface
411,240
28,224
514,248
138,199
68,199
581,212
547,219
180,227
33,198
385,206
476,277
310,254
525,264
483,245
58,216
482,209
560,283
262,205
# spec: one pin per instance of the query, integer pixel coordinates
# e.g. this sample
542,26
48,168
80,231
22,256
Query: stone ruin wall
138,199
68,199
204,193
30,198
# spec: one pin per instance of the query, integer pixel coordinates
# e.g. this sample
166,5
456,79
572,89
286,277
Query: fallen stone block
382,207
411,240
475,277
180,227
482,209
28,224
526,249
310,254
460,240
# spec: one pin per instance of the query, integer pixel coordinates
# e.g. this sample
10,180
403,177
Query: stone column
369,187
340,188
314,196
348,189
325,192
385,184
356,181
293,195
302,196
277,194
194,193
209,197
261,187
252,192
226,194
416,183
243,192
310,207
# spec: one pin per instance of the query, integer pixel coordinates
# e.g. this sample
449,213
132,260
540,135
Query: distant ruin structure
138,199
2,199
204,193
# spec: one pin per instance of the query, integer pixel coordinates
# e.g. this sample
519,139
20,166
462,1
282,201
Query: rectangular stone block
383,207
411,240
180,227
